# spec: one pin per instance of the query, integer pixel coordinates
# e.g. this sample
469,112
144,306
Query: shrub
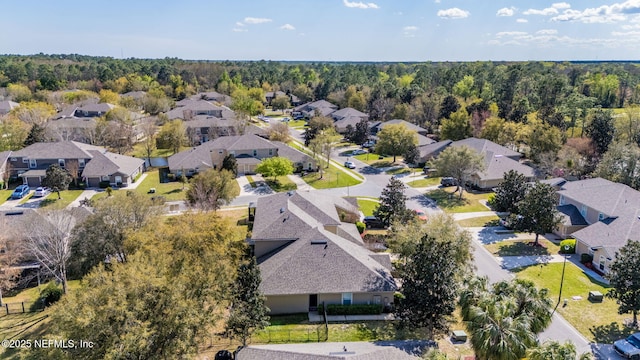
586,258
361,226
354,309
104,184
570,243
491,201
50,294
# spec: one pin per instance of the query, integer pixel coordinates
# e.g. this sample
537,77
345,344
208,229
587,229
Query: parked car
286,119
448,181
368,144
420,214
349,165
628,348
373,222
20,192
41,191
358,152
298,117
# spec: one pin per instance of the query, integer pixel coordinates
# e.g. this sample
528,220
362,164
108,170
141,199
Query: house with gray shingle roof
320,107
377,126
213,96
32,162
347,116
248,149
187,109
309,256
602,215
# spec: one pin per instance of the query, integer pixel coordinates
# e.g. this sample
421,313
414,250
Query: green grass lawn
171,191
425,182
67,197
399,171
367,206
140,152
281,184
251,181
332,178
25,199
523,248
4,195
599,322
450,202
296,123
480,221
375,161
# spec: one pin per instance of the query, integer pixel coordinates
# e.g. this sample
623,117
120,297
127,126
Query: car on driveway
373,222
349,165
358,152
41,191
420,214
20,192
628,348
448,181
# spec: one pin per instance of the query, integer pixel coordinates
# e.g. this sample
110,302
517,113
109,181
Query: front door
118,180
313,302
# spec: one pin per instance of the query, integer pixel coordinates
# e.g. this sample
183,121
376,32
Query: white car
358,152
41,191
349,165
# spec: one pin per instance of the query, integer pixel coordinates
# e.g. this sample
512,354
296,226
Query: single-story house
32,162
320,107
309,256
377,126
601,215
187,109
495,165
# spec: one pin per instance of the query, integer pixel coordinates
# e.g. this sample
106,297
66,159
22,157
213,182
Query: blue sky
327,30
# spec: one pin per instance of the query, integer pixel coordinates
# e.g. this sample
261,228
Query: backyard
171,191
450,202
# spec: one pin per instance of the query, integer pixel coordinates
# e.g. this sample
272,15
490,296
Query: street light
564,264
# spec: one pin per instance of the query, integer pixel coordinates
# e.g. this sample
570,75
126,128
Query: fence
22,307
318,333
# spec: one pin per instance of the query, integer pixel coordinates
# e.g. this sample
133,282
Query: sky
326,30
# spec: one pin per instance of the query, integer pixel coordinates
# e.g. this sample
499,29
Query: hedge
356,309
571,243
361,226
586,258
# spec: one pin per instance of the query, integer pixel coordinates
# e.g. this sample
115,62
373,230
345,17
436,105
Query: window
583,211
377,300
602,262
347,298
14,159
255,152
105,178
600,216
33,163
61,162
81,162
562,200
25,160
270,152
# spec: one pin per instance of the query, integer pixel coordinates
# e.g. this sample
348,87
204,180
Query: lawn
367,206
450,202
479,221
171,191
399,171
599,322
140,152
251,181
67,197
4,195
425,182
281,184
332,178
296,123
522,248
375,161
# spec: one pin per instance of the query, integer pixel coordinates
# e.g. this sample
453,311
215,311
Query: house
347,116
93,110
309,256
187,109
319,107
431,151
377,126
6,106
270,95
213,96
203,128
248,149
601,215
32,162
72,129
381,350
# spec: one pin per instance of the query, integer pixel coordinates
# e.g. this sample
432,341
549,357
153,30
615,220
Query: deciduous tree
172,135
275,166
211,189
281,102
510,192
621,163
34,112
395,139
459,162
536,212
14,133
57,179
457,126
624,277
279,132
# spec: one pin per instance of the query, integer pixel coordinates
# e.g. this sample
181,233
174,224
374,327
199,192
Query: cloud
252,20
287,27
547,32
410,28
506,11
522,21
436,1
240,30
603,14
453,13
409,31
511,33
549,38
545,12
561,5
239,23
360,5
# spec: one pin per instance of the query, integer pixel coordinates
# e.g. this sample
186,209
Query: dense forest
552,111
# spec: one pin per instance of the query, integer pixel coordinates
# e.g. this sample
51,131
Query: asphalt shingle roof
408,125
496,165
330,351
106,163
484,146
57,150
571,215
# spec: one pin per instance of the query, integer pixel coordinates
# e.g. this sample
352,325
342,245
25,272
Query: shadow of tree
611,332
446,199
518,248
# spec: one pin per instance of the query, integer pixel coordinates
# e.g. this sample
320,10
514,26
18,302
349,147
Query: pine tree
392,202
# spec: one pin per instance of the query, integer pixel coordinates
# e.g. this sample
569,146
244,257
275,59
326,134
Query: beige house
309,256
602,215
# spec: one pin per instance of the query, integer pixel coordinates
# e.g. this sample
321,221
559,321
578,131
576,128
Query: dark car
20,192
373,222
628,348
448,181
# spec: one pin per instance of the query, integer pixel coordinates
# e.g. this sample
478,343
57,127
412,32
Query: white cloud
287,27
522,21
548,37
453,13
252,20
561,5
506,11
545,12
410,28
360,5
239,23
511,33
436,1
409,31
240,30
547,32
603,14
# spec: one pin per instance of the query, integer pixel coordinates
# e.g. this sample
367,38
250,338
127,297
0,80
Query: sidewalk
301,184
85,194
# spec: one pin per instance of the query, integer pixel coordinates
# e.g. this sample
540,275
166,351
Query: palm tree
553,350
497,334
474,289
528,300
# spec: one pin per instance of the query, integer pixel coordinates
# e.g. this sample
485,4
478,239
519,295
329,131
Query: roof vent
281,210
319,242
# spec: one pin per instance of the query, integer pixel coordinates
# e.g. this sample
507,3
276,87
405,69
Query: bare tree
279,132
73,167
49,242
6,176
149,130
10,256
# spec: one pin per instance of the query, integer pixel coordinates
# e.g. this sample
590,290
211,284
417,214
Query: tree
553,350
537,211
33,112
14,133
108,96
448,106
103,233
621,163
624,277
412,155
281,102
56,179
230,163
457,126
510,192
428,306
543,138
392,202
601,129
275,166
361,132
248,310
322,146
36,134
19,93
11,254
172,135
395,139
49,242
317,124
73,168
211,189
464,87
149,130
458,162
279,132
